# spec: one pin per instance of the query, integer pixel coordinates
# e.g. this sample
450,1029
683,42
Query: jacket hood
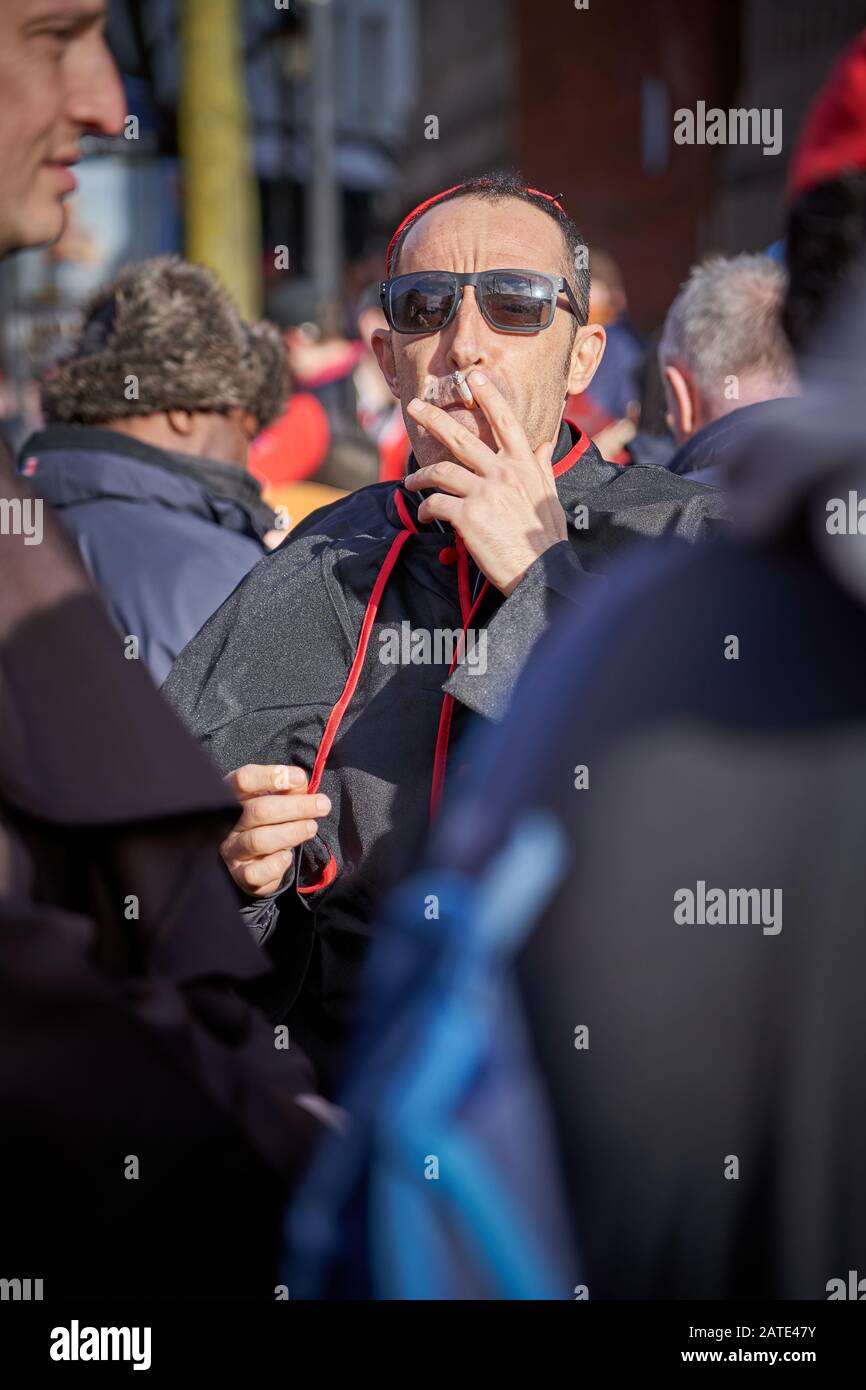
75,464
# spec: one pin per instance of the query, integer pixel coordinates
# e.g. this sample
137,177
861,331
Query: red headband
437,197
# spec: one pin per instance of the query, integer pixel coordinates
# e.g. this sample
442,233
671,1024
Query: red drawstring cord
336,715
404,513
467,613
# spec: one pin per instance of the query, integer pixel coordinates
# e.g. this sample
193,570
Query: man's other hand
277,815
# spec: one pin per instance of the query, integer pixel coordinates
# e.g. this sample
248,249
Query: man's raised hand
502,502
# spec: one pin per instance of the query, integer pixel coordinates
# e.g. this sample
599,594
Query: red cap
833,138
437,197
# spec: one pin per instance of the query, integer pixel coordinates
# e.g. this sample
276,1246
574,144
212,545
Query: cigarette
463,389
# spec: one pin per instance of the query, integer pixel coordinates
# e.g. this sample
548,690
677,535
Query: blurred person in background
507,512
611,401
320,438
652,441
298,453
615,387
827,185
126,1033
609,410
641,436
149,419
723,353
293,448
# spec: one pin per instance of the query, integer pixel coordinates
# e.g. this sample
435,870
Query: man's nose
467,347
96,102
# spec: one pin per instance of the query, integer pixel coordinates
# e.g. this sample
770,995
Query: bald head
573,259
535,372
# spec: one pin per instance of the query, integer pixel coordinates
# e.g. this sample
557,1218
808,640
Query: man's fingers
268,840
441,507
444,476
271,826
544,454
257,779
507,430
279,810
465,446
257,875
267,890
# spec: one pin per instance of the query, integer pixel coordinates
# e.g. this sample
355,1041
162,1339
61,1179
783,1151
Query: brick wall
581,131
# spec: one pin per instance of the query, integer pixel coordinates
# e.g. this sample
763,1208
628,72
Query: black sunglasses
514,301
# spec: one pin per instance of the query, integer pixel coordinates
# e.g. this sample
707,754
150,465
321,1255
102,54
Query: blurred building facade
582,101
786,50
426,92
464,115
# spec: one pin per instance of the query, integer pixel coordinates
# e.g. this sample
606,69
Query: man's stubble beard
428,450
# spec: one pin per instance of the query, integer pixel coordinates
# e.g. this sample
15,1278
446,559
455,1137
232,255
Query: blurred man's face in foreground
57,83
535,372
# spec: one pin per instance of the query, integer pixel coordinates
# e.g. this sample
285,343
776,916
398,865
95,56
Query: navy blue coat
709,455
166,537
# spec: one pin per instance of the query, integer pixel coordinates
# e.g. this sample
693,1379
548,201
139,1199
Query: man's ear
586,354
681,402
384,350
181,421
246,421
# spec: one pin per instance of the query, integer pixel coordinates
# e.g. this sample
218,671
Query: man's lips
62,171
474,420
450,403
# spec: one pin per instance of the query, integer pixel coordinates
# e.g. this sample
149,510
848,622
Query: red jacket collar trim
576,452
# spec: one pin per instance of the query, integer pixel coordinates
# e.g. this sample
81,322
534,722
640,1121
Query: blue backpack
446,1184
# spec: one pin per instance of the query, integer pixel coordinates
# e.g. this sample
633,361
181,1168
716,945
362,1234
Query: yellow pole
221,211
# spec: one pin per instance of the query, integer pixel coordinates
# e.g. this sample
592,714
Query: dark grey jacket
292,669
